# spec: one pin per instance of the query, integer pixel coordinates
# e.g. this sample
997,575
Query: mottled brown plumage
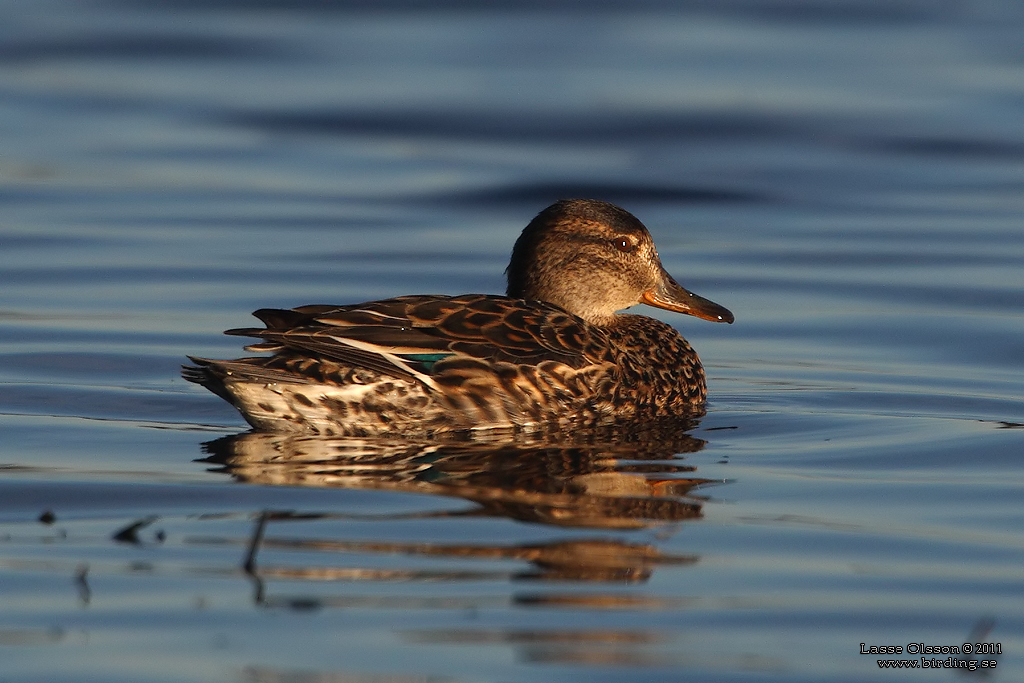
553,355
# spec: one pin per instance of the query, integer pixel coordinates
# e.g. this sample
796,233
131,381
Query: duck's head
593,258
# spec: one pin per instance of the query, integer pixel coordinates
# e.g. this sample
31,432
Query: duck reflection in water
615,482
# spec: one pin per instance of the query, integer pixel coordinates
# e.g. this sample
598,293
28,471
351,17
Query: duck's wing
409,336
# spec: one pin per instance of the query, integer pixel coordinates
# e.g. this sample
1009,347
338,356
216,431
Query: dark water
846,177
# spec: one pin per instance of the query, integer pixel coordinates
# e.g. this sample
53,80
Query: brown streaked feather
504,361
497,329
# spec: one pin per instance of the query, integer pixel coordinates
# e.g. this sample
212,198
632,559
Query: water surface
846,177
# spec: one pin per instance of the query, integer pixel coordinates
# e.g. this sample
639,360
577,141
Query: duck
554,356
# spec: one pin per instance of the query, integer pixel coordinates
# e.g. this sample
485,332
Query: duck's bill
672,297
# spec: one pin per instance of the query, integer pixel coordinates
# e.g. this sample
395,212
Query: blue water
847,177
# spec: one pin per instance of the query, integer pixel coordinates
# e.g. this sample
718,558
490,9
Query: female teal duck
550,356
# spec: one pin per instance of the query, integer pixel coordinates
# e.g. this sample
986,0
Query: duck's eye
624,244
